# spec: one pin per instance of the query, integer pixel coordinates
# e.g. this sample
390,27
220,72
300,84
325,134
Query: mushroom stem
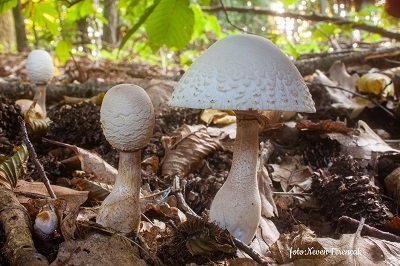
40,97
121,208
237,205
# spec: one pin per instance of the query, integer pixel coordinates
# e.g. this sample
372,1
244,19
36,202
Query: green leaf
6,5
171,24
13,168
63,49
140,22
287,3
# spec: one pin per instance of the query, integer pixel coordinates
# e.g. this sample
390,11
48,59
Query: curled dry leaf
218,117
13,168
96,100
304,248
362,143
92,163
37,123
186,149
376,83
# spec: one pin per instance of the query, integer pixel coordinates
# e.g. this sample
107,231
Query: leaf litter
296,177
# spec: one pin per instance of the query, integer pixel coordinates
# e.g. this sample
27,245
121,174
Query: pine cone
197,241
352,195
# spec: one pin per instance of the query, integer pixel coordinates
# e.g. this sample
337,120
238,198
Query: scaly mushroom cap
39,66
243,72
127,117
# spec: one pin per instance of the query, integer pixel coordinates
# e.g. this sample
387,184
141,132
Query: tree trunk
110,29
7,33
22,42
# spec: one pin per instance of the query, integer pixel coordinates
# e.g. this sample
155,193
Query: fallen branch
369,230
323,63
18,247
311,17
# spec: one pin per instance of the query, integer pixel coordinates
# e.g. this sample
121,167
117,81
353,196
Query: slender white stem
121,209
237,205
40,97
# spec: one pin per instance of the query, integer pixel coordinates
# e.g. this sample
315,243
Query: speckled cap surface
243,72
127,117
39,66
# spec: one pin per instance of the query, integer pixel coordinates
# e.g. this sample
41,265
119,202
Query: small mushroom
127,118
39,67
244,73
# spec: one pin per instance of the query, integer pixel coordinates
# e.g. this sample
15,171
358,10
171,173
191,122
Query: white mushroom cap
243,72
127,117
39,66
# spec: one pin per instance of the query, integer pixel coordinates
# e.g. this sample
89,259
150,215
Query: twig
357,235
369,230
33,156
311,17
242,246
361,96
228,20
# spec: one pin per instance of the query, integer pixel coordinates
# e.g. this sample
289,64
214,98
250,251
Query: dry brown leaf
73,198
218,117
292,173
92,163
303,248
97,191
339,74
392,184
98,249
187,148
160,91
363,143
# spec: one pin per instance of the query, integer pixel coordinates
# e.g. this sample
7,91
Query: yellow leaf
218,117
375,83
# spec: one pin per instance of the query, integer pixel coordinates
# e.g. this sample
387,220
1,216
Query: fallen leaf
324,126
218,117
73,198
304,248
13,168
186,149
362,143
376,83
92,163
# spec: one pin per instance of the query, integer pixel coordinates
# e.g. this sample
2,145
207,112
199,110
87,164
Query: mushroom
39,67
127,118
244,73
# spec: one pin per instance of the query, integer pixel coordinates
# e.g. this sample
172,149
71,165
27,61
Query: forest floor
328,181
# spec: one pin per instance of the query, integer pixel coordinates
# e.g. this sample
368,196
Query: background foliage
175,31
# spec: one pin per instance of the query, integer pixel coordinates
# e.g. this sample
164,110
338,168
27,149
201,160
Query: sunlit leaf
6,5
140,22
170,24
63,49
13,168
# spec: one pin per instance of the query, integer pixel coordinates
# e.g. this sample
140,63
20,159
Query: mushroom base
121,209
237,205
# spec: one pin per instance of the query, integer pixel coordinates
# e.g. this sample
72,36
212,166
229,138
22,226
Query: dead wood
18,247
310,17
323,63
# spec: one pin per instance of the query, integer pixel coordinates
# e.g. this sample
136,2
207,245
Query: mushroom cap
243,72
39,66
127,117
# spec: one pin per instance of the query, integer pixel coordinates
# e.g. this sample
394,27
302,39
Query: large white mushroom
244,73
127,117
40,68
